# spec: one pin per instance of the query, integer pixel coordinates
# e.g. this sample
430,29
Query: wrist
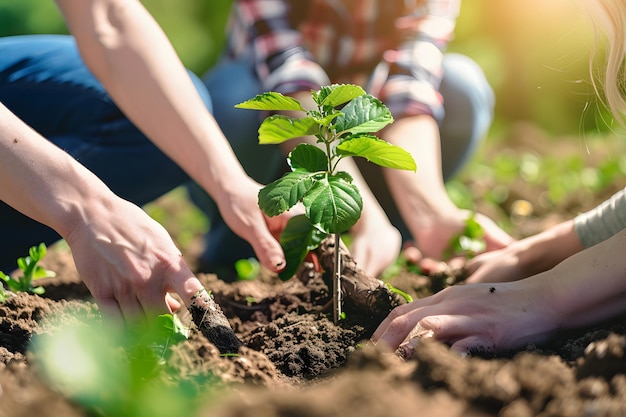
85,210
545,250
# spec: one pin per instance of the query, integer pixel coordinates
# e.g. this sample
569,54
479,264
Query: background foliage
535,52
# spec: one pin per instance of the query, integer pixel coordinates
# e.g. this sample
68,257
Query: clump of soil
212,323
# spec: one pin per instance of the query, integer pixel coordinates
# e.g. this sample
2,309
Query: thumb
467,345
412,253
268,249
186,286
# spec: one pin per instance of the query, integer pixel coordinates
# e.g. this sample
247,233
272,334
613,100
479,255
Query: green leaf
37,252
473,229
407,297
15,285
172,328
364,114
271,101
23,262
469,242
297,239
247,269
282,194
38,290
308,157
39,272
158,336
333,204
377,151
326,120
279,128
337,94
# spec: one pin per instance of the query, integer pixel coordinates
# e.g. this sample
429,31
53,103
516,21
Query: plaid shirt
298,45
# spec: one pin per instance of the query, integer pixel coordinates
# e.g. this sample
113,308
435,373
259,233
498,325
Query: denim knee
232,82
469,104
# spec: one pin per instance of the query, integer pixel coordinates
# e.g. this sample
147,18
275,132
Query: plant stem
337,282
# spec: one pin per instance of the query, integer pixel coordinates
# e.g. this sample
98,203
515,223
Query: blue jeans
468,102
46,84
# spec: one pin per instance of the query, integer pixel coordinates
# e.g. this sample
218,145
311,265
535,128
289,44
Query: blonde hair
609,16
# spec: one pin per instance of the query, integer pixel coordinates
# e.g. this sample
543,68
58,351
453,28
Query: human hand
496,266
437,239
240,210
473,317
129,263
375,248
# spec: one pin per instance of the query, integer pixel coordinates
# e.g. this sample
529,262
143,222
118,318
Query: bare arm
34,171
543,251
128,52
126,259
421,197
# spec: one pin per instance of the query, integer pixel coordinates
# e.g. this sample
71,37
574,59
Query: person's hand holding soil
434,241
502,316
130,264
489,317
128,261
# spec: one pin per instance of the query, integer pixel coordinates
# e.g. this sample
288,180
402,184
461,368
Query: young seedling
30,272
469,242
343,124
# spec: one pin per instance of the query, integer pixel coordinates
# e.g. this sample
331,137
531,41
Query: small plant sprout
343,125
121,371
247,269
469,242
30,272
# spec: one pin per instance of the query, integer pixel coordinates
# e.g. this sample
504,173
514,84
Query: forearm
421,196
128,52
590,286
43,182
545,250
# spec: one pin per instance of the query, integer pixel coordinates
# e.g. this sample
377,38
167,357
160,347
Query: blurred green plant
247,269
120,371
469,242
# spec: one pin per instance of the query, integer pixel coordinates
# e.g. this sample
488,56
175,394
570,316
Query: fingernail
405,352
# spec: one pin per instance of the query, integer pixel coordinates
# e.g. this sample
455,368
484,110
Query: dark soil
295,362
